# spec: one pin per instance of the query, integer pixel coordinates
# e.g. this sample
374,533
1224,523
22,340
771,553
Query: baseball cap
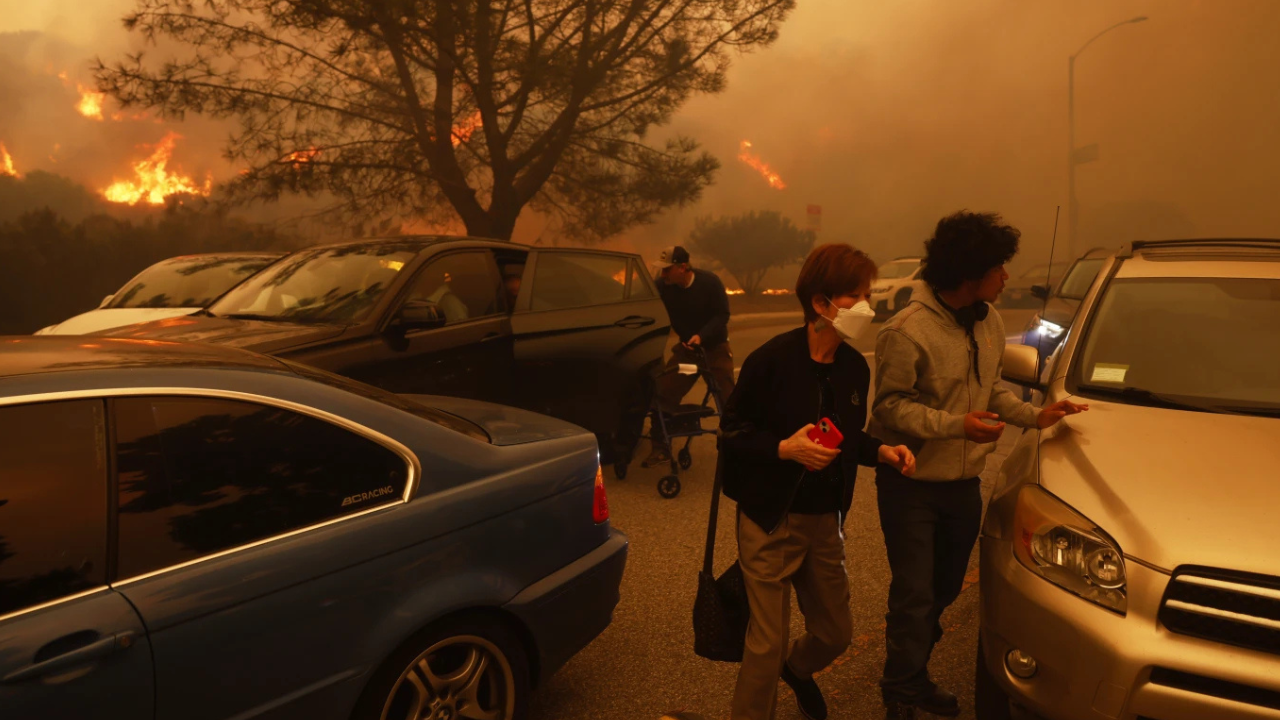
674,255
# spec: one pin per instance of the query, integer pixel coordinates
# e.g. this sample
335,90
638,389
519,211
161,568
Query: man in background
699,310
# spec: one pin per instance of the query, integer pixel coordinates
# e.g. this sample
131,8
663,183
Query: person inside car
938,391
698,307
447,303
793,493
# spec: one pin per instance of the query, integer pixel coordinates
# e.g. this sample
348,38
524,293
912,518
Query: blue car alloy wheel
471,669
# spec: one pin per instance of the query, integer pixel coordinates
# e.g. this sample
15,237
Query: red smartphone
826,434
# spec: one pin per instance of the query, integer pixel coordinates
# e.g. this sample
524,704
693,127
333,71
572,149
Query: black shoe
808,696
939,702
899,711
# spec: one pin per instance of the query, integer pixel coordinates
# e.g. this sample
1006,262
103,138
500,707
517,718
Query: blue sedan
192,532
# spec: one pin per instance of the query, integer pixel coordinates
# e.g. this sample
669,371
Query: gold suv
1131,554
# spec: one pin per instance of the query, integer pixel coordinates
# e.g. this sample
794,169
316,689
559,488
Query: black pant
929,531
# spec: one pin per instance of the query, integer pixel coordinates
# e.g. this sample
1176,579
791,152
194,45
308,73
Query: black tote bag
721,611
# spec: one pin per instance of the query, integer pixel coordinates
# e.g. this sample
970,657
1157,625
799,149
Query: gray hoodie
925,385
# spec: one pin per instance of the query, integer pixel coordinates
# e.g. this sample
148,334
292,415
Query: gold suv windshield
1204,343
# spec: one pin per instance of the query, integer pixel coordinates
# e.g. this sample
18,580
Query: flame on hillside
463,131
153,182
300,157
90,104
6,163
755,163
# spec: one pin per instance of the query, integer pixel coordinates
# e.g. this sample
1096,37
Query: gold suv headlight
1062,546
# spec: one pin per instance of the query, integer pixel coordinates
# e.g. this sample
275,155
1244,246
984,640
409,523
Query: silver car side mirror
1022,366
105,300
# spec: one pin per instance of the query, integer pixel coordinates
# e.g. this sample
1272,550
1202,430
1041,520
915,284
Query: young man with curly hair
938,392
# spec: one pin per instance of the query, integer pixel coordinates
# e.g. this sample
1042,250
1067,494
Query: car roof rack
1127,250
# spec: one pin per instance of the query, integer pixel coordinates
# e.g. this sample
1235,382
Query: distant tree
432,108
748,246
51,270
39,190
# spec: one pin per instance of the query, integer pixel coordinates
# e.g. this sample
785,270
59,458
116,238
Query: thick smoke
887,114
890,115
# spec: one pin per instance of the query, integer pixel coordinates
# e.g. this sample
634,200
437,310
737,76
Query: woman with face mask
793,493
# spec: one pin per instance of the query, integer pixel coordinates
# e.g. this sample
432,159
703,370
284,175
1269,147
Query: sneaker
939,702
808,696
899,711
657,457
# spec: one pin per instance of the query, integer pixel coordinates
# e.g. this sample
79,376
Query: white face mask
849,323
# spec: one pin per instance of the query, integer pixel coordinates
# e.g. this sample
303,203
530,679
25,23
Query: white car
892,290
170,288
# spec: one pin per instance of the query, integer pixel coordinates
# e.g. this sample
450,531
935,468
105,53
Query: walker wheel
686,459
620,470
669,486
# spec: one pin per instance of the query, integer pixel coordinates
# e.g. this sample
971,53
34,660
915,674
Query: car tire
990,702
459,664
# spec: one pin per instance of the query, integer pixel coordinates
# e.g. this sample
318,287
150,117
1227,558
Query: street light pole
1073,207
1073,211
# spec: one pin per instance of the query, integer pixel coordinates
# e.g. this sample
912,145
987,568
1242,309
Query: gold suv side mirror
1022,366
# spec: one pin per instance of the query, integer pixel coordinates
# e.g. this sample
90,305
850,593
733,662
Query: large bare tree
433,108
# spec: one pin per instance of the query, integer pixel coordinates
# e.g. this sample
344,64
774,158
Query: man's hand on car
1051,414
977,431
808,453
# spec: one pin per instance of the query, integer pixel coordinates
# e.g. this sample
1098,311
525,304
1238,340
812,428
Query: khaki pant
805,552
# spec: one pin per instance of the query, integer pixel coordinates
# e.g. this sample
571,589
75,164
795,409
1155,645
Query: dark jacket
776,395
701,309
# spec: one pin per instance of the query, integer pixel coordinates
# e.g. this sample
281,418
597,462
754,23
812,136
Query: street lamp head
1138,19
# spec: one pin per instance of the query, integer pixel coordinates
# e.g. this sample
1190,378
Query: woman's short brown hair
831,270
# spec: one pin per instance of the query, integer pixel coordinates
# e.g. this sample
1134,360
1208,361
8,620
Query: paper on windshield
1109,373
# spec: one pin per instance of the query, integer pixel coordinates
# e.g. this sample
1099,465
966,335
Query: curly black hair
966,246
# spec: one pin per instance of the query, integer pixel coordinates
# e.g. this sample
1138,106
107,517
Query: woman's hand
808,453
900,458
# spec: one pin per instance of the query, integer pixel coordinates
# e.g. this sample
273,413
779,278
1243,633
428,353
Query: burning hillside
153,181
6,163
754,162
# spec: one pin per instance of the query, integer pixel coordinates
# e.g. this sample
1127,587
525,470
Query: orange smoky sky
889,115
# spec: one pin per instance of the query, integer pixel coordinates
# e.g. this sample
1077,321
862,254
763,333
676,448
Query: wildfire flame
90,104
463,131
299,157
6,163
755,163
154,183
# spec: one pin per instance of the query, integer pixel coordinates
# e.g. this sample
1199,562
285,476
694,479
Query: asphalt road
643,666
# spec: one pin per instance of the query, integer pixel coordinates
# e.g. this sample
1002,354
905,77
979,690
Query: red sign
814,214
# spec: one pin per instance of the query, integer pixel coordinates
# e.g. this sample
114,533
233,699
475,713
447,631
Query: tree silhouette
51,269
472,109
749,245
